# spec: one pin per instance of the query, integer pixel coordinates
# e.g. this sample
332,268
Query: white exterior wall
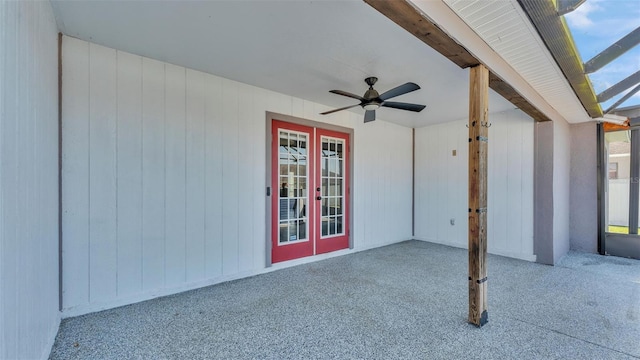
442,184
164,177
29,315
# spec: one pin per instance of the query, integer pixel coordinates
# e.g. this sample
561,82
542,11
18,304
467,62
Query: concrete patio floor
404,301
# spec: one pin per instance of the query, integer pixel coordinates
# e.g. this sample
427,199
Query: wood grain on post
478,141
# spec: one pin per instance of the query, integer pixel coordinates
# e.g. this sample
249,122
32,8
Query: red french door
292,173
332,200
310,198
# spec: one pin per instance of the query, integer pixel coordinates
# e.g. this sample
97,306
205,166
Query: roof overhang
410,17
556,35
500,35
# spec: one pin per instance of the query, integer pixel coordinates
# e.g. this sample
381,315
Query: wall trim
601,175
59,171
413,182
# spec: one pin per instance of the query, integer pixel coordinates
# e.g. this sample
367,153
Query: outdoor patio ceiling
329,50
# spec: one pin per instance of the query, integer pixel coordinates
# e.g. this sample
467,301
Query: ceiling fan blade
342,108
400,90
403,106
344,93
369,115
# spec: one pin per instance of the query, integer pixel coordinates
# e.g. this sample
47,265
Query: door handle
318,197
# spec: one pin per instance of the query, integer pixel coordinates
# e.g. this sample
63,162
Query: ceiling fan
372,100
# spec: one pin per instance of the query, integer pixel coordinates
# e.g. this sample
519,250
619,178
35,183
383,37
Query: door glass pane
302,229
302,209
302,168
293,186
618,155
333,167
284,232
301,188
325,226
284,188
302,146
284,142
332,170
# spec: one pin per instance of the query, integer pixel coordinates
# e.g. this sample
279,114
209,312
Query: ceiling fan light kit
371,101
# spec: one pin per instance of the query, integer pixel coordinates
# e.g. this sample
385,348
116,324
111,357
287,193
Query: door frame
623,245
269,191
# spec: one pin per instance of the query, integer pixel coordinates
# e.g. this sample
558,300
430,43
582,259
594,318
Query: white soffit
505,27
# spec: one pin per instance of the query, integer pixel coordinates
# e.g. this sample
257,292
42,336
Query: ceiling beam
510,94
414,21
407,16
619,87
613,52
556,36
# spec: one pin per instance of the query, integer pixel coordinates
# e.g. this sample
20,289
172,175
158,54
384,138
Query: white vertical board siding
175,175
246,179
382,179
195,176
179,192
153,173
29,314
129,172
75,188
230,187
442,184
213,177
102,174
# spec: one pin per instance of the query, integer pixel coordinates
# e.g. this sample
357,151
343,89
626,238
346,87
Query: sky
597,24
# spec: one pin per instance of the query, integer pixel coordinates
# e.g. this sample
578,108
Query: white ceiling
300,48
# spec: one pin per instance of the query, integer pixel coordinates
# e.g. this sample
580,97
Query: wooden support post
478,141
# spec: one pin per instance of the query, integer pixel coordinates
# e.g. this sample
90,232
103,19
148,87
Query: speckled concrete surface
405,301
